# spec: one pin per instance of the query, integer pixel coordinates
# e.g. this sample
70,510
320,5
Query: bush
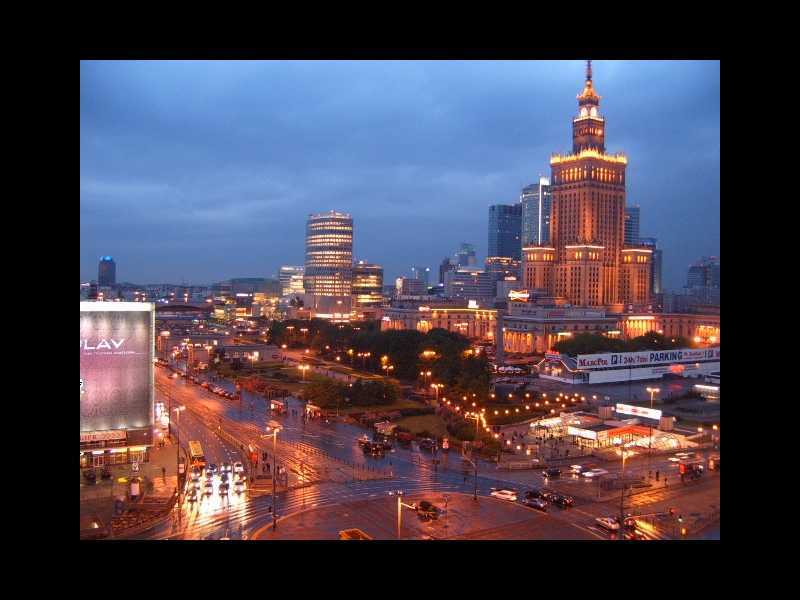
416,412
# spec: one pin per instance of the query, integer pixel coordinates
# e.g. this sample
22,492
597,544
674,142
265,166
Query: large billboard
649,357
116,365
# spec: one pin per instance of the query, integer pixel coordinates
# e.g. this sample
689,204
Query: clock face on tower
593,111
584,112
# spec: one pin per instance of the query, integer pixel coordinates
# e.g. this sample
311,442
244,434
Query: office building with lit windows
367,284
328,278
291,278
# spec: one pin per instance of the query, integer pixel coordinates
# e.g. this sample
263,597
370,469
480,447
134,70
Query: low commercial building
474,323
532,329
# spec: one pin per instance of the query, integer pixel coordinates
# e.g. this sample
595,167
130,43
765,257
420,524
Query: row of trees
451,361
592,343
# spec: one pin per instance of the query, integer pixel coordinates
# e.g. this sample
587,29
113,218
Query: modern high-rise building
536,202
367,284
631,225
421,273
702,281
704,273
505,230
328,278
106,272
447,265
657,264
586,261
465,255
289,276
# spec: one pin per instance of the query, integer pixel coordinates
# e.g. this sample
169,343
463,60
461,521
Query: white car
609,523
238,467
595,473
505,495
578,469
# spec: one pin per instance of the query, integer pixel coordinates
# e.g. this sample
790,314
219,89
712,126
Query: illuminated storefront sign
638,411
642,359
103,436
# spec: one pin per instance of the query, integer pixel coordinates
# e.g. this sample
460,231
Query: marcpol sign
638,411
643,359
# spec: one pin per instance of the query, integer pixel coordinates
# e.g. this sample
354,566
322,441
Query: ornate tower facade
588,221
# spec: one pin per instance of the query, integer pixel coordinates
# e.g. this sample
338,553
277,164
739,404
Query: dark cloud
204,170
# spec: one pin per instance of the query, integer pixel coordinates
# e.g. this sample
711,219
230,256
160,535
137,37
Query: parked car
90,476
106,473
509,495
608,523
536,503
550,473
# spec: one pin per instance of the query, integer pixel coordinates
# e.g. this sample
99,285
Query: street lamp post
622,496
178,410
275,427
400,505
653,391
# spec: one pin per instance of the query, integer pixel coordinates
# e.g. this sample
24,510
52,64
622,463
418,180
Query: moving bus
196,455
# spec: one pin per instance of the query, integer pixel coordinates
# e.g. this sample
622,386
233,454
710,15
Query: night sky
201,171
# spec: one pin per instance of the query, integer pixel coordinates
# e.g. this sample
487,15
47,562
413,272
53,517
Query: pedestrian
665,482
649,474
656,475
164,473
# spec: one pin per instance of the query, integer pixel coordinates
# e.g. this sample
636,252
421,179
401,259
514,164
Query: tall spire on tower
588,96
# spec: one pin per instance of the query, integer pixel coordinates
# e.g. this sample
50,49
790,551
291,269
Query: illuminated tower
588,220
328,274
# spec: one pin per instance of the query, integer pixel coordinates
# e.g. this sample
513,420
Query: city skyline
218,182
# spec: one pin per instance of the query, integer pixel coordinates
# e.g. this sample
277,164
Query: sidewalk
97,516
